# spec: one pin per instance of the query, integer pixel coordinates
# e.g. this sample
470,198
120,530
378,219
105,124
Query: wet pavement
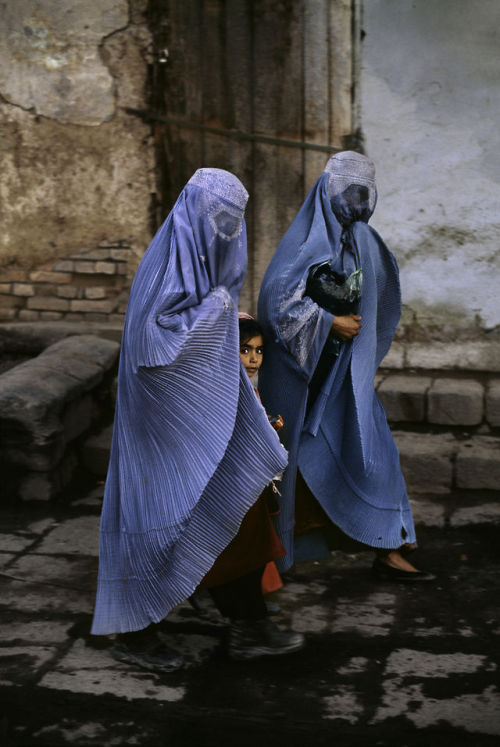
384,664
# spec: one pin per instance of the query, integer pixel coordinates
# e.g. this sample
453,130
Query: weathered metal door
263,89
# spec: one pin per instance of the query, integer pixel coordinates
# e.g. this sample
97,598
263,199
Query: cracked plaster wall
76,169
430,111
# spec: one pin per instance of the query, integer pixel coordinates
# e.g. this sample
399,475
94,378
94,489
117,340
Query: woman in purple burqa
192,446
319,373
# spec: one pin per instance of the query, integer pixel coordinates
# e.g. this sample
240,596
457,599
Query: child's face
252,353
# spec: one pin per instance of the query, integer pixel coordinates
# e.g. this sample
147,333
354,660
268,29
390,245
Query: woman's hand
346,327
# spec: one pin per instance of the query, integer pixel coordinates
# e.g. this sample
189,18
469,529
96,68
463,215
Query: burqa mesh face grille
352,175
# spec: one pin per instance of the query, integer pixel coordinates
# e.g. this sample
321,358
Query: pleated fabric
344,447
192,447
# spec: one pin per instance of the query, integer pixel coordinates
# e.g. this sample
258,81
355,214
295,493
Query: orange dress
256,545
253,547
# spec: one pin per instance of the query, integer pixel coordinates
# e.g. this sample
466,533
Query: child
252,355
246,570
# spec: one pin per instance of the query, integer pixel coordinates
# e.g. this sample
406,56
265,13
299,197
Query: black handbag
335,292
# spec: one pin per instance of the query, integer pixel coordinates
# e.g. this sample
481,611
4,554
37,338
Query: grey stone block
493,403
426,461
403,397
456,402
428,513
39,408
81,355
470,355
478,464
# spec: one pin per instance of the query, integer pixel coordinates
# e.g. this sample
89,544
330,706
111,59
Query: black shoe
154,658
384,572
251,640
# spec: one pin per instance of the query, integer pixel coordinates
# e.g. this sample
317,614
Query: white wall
430,113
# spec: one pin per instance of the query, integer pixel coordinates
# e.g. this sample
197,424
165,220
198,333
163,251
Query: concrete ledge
469,355
46,402
34,337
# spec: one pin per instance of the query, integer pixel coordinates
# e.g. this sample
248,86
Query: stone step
440,463
440,400
433,464
461,355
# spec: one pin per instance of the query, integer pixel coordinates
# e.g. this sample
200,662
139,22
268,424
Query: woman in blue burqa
319,370
192,446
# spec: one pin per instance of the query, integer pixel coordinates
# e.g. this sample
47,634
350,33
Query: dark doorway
261,88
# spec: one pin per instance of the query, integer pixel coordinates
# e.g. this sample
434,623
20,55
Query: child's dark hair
249,328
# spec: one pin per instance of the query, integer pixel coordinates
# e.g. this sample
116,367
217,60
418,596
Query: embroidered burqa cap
344,447
192,447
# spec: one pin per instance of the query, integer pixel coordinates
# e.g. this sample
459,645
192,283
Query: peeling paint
79,173
55,48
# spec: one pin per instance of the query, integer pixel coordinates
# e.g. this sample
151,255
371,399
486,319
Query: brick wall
91,286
